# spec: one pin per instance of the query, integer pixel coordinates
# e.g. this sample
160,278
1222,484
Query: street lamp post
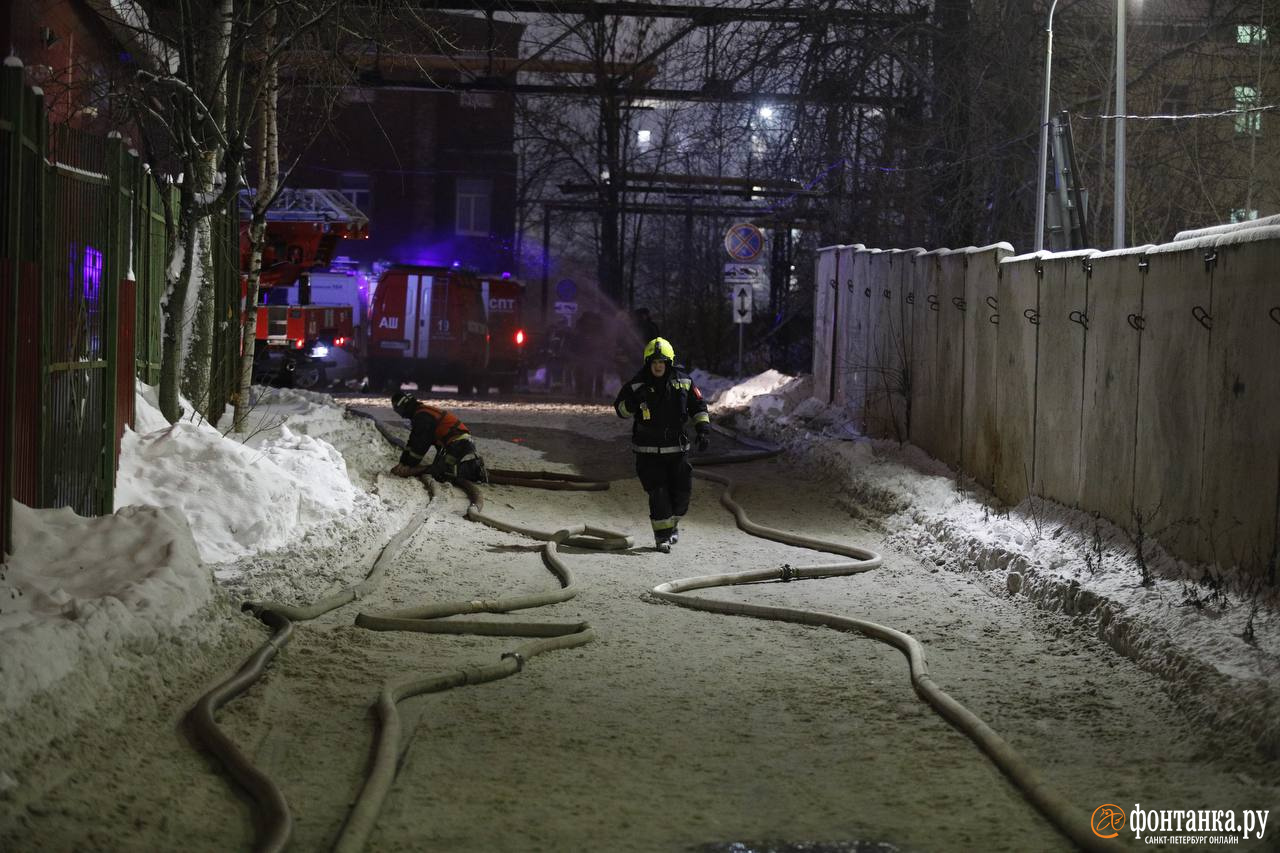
1118,233
1044,132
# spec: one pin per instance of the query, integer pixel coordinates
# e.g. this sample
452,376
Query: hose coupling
519,658
789,574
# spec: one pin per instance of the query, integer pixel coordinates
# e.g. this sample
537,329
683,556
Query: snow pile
711,385
238,498
1212,634
758,391
95,609
76,589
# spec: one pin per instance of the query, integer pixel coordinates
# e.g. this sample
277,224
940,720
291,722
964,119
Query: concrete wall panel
909,268
1018,293
1060,377
924,355
824,304
950,364
882,335
851,372
981,433
1171,398
1111,358
1242,440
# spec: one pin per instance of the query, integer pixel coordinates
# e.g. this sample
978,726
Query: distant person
431,426
588,350
645,326
661,401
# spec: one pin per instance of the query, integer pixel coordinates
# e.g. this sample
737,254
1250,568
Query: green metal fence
78,216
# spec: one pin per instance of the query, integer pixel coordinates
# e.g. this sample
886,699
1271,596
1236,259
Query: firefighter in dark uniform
434,427
662,400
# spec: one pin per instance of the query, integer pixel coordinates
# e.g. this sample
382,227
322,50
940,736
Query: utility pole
1118,233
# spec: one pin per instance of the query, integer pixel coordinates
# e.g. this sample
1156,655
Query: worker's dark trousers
668,478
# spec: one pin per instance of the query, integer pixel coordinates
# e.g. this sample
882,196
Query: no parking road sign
744,242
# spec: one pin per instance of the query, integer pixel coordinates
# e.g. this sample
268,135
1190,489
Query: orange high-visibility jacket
431,427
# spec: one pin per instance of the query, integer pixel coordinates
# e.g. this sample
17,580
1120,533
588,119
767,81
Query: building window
1251,34
356,187
1176,100
475,197
476,100
644,137
1247,98
1239,214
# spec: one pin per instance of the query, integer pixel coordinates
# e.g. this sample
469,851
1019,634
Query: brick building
434,169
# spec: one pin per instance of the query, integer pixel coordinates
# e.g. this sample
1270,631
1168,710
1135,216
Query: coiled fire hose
1064,817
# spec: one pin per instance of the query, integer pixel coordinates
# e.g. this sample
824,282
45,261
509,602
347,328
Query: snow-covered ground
90,608
1212,633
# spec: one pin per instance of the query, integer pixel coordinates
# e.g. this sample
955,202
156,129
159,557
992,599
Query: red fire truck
508,339
427,325
298,343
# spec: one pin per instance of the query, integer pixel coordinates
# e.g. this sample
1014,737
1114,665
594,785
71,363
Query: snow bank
744,392
238,498
711,385
76,589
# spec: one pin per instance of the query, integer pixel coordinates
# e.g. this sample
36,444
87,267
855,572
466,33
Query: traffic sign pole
741,326
743,242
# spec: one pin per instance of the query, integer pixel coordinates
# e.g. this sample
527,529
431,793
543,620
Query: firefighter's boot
662,543
675,536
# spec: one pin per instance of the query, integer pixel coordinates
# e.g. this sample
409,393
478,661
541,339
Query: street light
1044,132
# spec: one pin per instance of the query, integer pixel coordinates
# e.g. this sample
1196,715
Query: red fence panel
126,341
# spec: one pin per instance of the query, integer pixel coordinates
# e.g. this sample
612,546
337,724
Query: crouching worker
434,427
661,401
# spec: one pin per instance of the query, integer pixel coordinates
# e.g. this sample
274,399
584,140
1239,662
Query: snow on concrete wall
979,442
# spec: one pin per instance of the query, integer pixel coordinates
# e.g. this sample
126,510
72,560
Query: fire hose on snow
426,618
274,821
1064,817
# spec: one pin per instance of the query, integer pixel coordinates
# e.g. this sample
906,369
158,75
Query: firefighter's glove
703,441
444,467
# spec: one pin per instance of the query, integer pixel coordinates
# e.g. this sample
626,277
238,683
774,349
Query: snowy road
675,730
